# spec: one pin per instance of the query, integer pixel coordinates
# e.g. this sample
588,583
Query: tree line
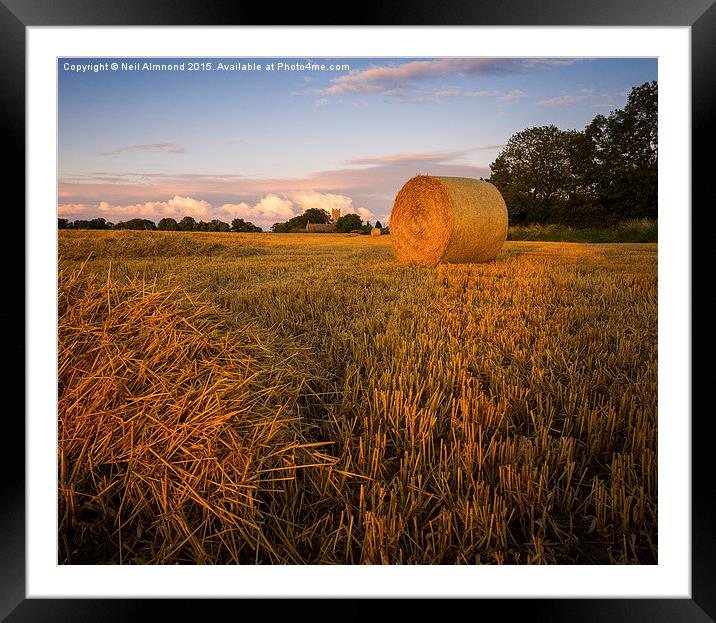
344,224
166,224
601,175
347,223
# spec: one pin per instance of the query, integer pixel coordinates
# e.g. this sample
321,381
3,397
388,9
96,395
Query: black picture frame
699,15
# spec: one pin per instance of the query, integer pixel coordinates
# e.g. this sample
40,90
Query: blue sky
266,144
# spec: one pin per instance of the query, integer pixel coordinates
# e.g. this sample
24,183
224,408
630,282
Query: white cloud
270,208
72,209
153,210
407,158
482,93
448,92
568,100
513,96
329,202
365,214
187,205
563,100
419,100
323,201
176,207
168,148
382,78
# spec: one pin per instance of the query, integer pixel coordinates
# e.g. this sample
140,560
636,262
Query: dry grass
321,404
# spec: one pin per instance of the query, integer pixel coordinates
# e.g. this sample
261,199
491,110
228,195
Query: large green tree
316,215
624,153
95,223
604,174
535,172
136,223
187,224
168,224
240,225
348,222
218,225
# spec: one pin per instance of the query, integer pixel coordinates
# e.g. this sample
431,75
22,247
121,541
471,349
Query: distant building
335,214
320,226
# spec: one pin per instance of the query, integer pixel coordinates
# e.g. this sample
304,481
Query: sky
265,139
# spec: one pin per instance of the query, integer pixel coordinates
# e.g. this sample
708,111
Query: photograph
357,310
394,310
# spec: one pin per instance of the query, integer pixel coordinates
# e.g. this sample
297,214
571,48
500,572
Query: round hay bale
376,231
447,219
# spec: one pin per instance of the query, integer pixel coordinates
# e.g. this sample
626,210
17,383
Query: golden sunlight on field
305,399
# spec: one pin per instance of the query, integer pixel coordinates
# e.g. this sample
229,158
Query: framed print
359,312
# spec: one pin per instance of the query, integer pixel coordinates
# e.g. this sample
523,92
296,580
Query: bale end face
421,221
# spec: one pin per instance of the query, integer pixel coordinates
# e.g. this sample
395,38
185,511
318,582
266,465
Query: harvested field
296,399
